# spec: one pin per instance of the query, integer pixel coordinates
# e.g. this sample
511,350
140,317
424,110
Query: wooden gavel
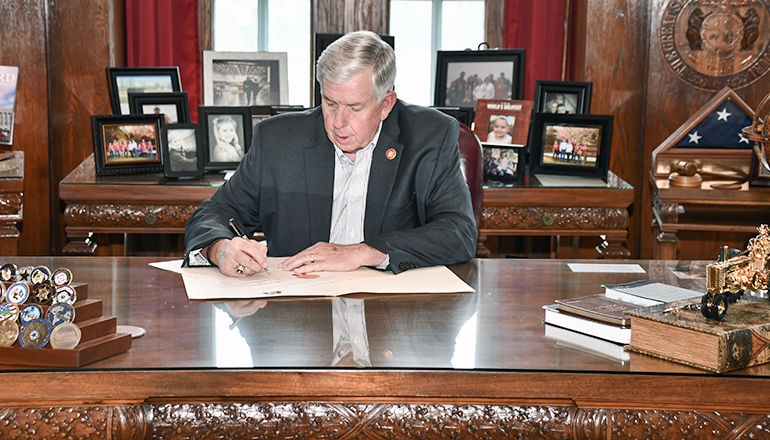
686,168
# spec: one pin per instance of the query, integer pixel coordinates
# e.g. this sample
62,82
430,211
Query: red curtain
538,27
161,33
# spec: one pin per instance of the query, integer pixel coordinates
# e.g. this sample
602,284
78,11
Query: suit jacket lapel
319,169
383,174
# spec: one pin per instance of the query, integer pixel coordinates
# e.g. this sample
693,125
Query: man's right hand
229,255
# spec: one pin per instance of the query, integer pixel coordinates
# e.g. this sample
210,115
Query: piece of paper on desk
606,268
207,283
552,180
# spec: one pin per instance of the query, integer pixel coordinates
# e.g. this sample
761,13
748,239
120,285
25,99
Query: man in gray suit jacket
364,180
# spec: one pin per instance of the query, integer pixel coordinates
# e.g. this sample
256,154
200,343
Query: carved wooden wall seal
711,44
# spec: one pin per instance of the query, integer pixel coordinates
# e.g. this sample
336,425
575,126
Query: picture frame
240,79
127,144
493,116
175,106
123,80
563,97
503,163
758,175
591,133
455,70
226,135
183,150
464,115
321,42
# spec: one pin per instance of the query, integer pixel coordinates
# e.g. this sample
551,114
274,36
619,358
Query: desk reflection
373,331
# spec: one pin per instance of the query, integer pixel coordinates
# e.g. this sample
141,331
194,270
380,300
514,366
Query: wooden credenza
445,366
573,211
127,204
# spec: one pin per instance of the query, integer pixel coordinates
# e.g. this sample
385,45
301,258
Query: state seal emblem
712,44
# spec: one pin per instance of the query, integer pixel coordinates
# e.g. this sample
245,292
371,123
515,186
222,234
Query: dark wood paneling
610,50
342,16
78,84
494,22
670,103
23,44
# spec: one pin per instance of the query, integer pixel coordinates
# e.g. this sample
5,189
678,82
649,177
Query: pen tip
267,269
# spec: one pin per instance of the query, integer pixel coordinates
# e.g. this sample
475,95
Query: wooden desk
11,203
270,376
731,215
132,204
559,211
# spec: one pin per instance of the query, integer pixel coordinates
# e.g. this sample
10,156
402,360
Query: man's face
352,113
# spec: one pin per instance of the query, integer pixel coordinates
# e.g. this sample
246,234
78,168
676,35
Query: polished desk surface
498,328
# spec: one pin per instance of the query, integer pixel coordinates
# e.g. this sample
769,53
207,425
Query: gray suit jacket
418,207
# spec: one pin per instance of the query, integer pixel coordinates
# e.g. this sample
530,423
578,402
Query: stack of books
598,324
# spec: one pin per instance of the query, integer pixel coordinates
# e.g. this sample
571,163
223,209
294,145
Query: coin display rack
90,337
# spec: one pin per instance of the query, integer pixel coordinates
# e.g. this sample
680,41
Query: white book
614,333
579,341
648,293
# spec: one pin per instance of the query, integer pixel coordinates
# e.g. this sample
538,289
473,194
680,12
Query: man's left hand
333,258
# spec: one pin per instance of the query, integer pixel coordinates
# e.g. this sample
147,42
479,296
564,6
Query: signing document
207,283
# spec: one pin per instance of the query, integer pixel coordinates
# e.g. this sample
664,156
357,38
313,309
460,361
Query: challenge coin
2,292
65,336
43,293
9,333
9,312
65,294
17,293
60,313
61,277
35,334
22,274
30,312
8,272
40,274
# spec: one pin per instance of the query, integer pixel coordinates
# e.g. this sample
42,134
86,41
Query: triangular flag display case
711,139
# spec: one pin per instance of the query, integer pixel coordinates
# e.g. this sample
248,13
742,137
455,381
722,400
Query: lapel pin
390,154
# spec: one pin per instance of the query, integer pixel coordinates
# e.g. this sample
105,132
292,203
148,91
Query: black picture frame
758,174
454,67
504,163
464,115
573,96
175,106
591,131
210,119
123,80
183,150
321,42
127,144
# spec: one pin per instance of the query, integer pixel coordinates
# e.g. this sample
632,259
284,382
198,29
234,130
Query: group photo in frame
563,97
503,163
502,122
127,144
174,106
183,150
464,77
239,79
226,135
125,80
573,145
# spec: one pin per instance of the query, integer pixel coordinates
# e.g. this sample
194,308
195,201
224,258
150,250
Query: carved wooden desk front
134,204
559,211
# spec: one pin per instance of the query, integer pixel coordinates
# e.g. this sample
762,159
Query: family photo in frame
502,122
183,150
464,77
125,80
127,144
575,145
227,134
503,163
563,97
237,79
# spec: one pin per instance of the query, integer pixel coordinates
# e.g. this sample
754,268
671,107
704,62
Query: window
268,26
423,27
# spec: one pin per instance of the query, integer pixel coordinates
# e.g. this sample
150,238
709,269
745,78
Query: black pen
239,232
